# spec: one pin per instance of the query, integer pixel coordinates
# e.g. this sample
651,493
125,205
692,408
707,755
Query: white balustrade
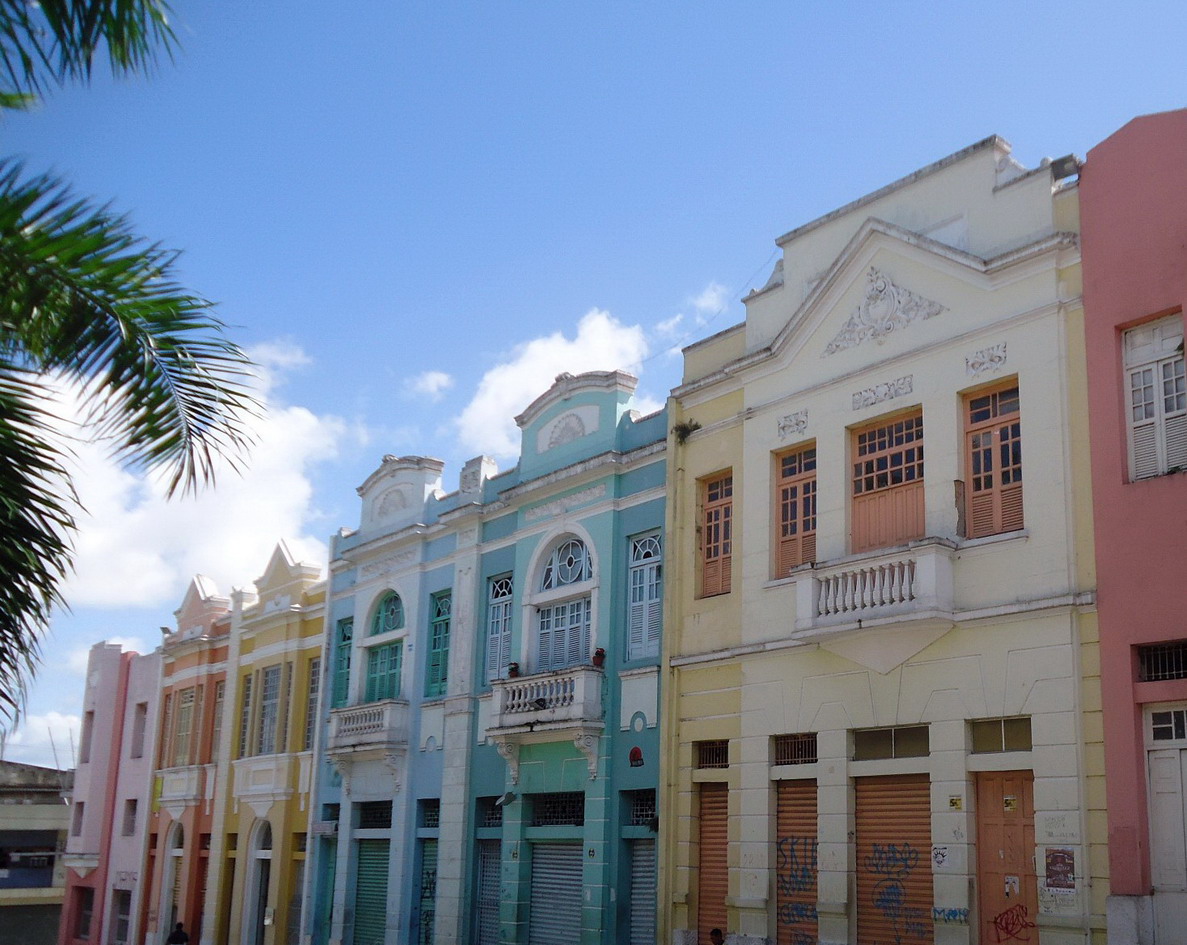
371,725
898,585
556,698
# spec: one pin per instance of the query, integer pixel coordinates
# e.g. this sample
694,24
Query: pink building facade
112,797
1133,190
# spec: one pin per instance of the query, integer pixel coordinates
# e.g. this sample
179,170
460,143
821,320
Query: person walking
178,936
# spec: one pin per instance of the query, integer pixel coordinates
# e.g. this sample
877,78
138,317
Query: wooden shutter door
713,863
370,893
795,862
555,909
894,879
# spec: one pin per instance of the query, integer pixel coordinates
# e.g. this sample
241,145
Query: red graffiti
1012,923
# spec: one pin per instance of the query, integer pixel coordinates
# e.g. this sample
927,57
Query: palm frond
55,41
35,527
82,296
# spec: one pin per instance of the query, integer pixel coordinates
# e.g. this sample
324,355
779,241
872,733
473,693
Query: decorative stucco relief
987,359
548,509
887,390
571,425
793,423
886,307
384,565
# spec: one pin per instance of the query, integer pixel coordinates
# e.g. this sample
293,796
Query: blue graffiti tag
959,916
796,873
894,863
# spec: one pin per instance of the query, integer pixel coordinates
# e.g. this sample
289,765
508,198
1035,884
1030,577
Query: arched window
563,628
568,564
389,615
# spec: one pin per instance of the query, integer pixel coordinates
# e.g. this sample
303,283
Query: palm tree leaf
82,296
55,41
35,527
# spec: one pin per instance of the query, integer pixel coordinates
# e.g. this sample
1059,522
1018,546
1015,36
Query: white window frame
1155,397
564,600
645,596
500,590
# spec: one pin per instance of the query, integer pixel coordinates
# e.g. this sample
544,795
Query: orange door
894,881
1009,888
713,864
795,862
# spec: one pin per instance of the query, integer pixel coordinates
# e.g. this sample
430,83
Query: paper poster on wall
1061,871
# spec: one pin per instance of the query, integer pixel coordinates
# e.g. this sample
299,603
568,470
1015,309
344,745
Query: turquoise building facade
488,754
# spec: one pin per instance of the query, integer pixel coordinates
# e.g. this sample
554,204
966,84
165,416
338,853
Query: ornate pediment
886,307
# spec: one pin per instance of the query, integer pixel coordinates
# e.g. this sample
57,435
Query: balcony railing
557,699
269,775
381,726
899,585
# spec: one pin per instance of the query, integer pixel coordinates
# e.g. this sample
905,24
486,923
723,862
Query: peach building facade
1134,210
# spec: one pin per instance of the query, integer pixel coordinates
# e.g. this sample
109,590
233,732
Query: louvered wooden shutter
795,862
370,897
894,878
555,917
713,862
717,536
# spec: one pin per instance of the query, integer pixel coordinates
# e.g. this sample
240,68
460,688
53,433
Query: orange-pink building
193,690
1133,191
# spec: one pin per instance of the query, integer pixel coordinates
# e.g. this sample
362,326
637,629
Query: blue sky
415,214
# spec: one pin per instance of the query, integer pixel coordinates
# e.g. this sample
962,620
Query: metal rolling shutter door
894,878
555,917
643,892
713,863
370,894
795,862
489,891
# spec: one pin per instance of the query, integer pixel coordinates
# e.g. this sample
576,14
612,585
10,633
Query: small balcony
373,729
557,700
185,785
885,602
267,777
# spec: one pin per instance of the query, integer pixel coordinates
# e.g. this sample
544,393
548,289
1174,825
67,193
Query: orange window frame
795,508
993,460
717,527
887,482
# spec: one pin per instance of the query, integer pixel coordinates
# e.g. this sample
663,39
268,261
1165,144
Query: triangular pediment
201,605
866,296
285,573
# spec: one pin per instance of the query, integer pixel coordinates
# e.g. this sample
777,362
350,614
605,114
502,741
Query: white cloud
430,384
134,548
44,740
668,326
602,343
711,301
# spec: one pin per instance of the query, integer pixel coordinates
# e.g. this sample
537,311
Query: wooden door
1006,878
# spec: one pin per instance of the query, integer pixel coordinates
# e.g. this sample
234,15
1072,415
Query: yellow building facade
881,703
268,728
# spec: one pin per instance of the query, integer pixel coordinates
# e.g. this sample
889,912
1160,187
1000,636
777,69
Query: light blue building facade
489,754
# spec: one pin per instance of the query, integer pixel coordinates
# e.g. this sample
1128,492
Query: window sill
1021,533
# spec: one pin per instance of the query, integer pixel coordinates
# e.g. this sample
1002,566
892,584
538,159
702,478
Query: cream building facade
881,708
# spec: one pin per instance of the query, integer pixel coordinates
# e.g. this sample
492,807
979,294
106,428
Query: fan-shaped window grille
569,564
389,615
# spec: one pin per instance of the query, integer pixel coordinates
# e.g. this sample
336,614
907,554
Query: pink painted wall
1133,199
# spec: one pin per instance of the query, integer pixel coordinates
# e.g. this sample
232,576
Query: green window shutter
342,663
437,677
383,671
